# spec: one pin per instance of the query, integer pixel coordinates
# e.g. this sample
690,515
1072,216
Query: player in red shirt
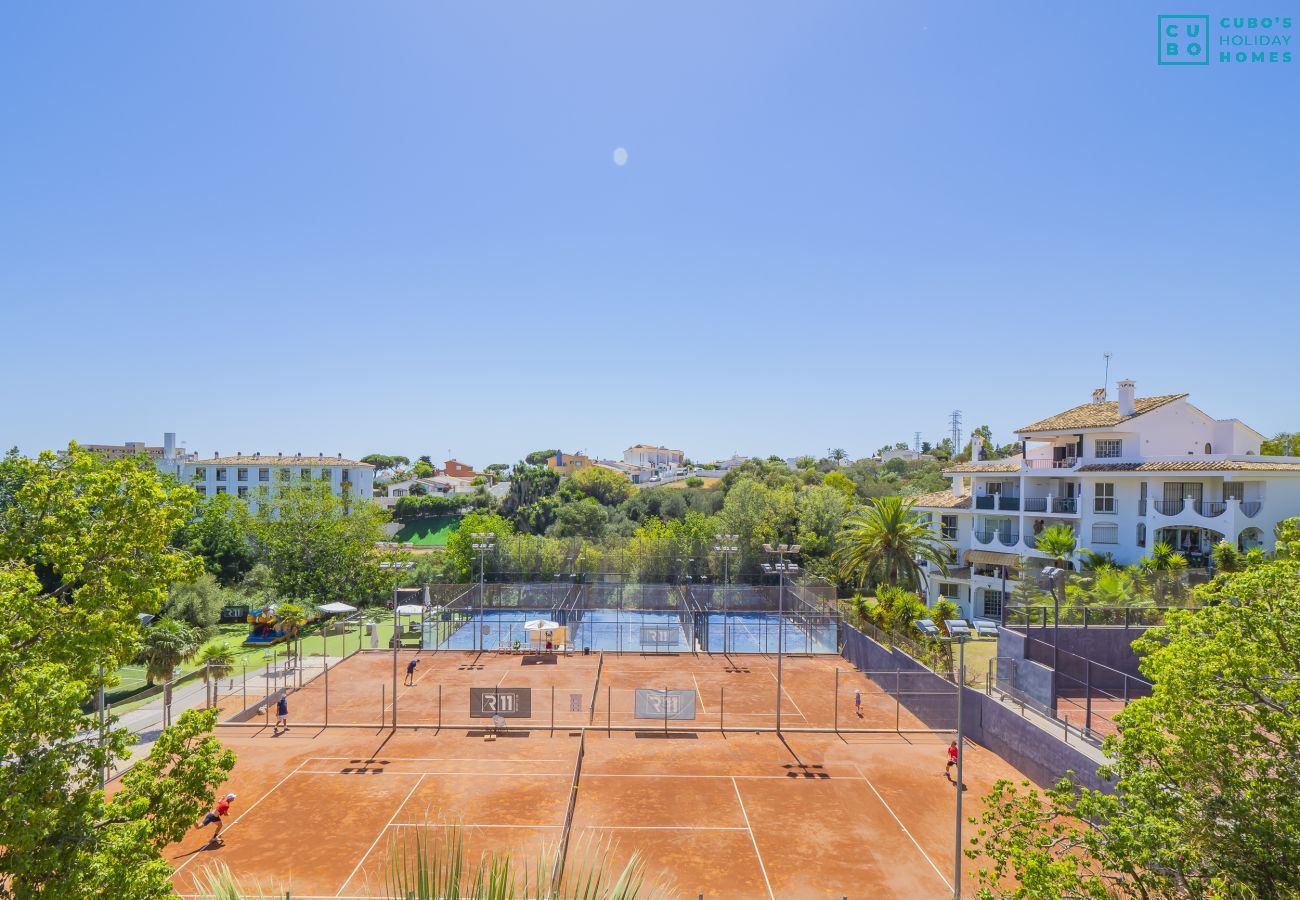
221,809
953,753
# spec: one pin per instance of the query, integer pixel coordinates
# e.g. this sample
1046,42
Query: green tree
1204,769
1057,542
461,555
383,461
84,548
821,511
1284,443
585,518
314,549
423,469
539,457
291,617
842,483
220,535
167,644
605,485
884,543
199,603
526,503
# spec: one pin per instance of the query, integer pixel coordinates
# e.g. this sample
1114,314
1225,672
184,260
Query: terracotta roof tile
269,460
941,500
1098,415
982,468
1199,465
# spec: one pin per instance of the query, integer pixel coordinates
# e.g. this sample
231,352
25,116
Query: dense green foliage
408,509
84,548
1205,769
885,542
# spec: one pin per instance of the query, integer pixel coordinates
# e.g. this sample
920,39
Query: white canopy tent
336,608
410,609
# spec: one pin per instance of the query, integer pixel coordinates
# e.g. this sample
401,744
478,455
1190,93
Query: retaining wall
1041,755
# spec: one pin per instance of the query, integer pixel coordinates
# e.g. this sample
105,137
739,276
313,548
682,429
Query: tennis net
563,848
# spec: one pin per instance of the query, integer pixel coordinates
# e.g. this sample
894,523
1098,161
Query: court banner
656,703
509,703
661,635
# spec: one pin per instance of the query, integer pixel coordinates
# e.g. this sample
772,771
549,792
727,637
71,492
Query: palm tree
885,542
167,644
290,617
1058,542
1162,567
218,661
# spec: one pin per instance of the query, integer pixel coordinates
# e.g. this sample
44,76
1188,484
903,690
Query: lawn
233,634
431,531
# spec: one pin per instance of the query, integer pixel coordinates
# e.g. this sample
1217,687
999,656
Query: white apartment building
244,475
1123,474
653,457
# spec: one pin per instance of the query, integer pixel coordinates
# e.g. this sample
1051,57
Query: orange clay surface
732,691
733,814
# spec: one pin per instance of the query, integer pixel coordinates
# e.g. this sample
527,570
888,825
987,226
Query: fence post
552,710
439,706
245,689
609,712
1085,617
383,705
1087,686
722,709
898,700
665,709
326,674
837,699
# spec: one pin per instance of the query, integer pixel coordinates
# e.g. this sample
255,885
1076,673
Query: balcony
987,501
1005,538
1250,508
1168,507
997,501
1069,462
1005,502
1211,508
1067,505
1035,504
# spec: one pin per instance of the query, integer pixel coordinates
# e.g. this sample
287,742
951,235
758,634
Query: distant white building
246,475
1123,474
731,462
903,454
653,457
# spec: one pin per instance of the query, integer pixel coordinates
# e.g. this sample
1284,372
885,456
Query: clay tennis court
731,692
723,813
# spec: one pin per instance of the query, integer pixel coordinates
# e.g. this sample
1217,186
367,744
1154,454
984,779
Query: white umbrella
410,609
540,625
332,608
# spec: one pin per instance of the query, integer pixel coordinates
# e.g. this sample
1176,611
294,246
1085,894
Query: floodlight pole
482,544
396,568
961,757
781,567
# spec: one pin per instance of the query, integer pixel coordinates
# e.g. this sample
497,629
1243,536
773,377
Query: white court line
890,810
436,759
382,832
666,827
367,774
752,839
699,695
787,694
235,821
463,825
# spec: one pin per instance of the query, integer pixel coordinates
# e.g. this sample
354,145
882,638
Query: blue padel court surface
761,633
635,630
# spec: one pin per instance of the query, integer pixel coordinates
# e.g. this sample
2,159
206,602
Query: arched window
1142,534
1207,448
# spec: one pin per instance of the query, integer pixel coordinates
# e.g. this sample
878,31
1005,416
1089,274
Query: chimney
1126,389
1099,395
169,445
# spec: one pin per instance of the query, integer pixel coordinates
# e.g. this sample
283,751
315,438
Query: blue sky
398,227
